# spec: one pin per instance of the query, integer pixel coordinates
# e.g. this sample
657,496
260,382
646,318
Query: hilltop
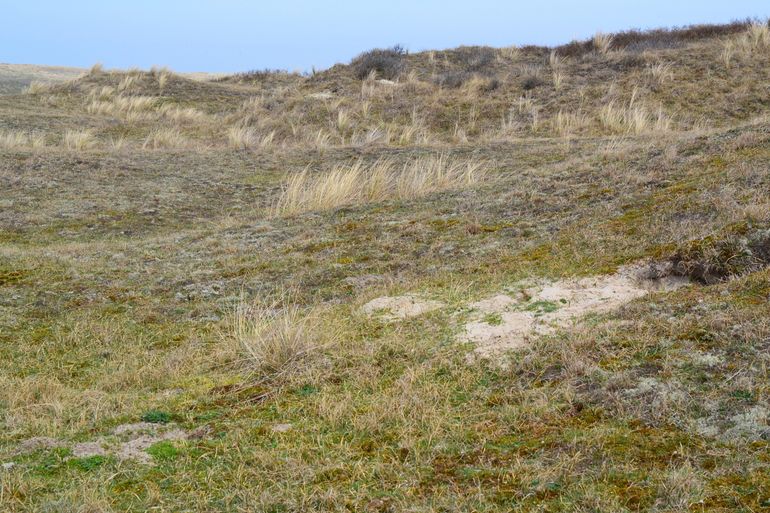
478,279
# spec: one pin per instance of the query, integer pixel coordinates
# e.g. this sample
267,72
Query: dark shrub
387,62
453,79
491,84
473,58
639,40
257,75
737,250
530,82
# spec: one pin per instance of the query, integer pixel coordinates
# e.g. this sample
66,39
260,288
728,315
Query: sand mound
400,307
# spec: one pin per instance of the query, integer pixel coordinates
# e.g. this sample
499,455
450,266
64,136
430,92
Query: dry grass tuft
558,78
37,87
165,138
118,143
681,489
727,52
554,60
179,114
127,83
163,75
132,108
566,123
14,140
243,138
366,183
79,140
278,338
635,118
757,37
602,43
661,72
510,52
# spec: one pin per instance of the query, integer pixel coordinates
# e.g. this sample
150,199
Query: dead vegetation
382,180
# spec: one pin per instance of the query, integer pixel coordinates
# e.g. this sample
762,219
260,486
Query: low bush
387,63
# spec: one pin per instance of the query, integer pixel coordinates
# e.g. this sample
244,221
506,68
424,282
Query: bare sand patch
400,307
136,447
126,442
510,324
88,449
38,442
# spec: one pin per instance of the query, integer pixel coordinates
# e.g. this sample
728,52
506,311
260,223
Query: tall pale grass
661,72
182,114
635,118
165,138
243,138
510,52
79,140
276,338
728,51
602,43
566,123
127,83
558,78
15,140
755,39
382,180
37,87
121,105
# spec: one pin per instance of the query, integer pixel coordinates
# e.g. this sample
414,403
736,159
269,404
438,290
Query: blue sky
236,35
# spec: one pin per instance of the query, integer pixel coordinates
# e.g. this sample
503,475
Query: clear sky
238,35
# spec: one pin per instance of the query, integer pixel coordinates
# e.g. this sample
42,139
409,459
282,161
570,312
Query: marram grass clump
383,180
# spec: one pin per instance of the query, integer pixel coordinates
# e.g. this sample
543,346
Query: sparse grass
278,338
180,115
602,43
79,140
566,123
634,118
728,52
510,53
37,87
121,270
383,180
129,107
117,143
558,79
241,138
15,140
165,138
127,83
661,72
756,38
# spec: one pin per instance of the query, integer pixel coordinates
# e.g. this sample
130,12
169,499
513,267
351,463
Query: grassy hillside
274,292
15,78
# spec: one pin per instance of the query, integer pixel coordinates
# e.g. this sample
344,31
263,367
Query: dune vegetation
475,279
